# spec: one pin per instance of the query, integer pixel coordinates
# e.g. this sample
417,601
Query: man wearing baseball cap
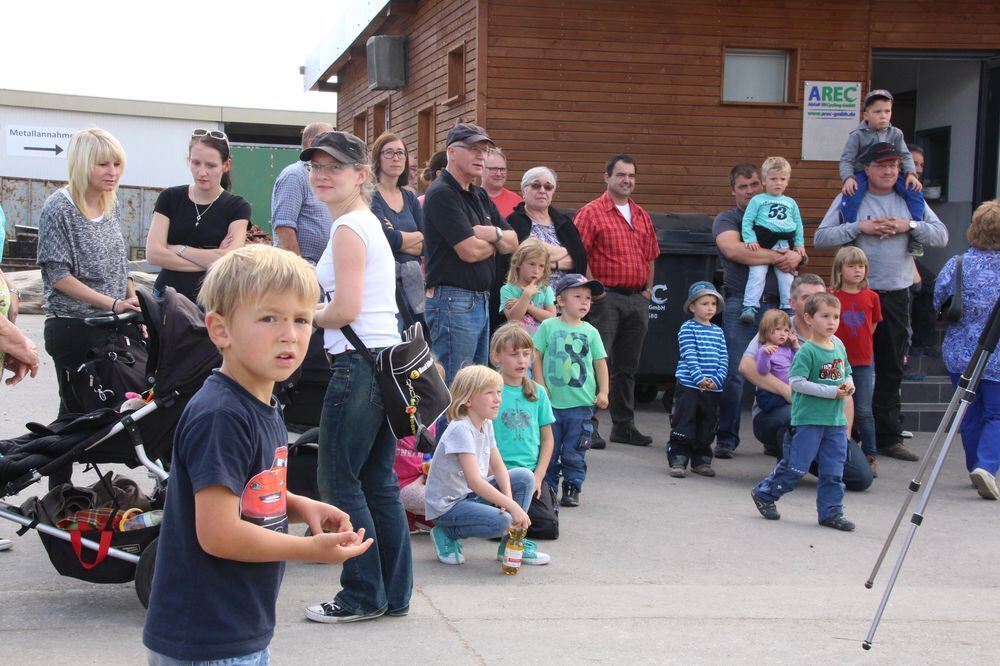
881,225
463,231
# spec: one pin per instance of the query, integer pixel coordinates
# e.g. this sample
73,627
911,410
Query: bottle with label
141,520
426,466
513,552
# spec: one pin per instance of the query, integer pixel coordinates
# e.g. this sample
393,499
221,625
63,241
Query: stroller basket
71,559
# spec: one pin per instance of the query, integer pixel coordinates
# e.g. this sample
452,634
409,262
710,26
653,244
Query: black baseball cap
467,134
341,146
879,152
878,93
572,280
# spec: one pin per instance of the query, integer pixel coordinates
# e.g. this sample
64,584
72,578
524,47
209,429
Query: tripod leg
915,484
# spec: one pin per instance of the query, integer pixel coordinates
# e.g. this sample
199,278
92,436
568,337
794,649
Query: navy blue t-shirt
203,607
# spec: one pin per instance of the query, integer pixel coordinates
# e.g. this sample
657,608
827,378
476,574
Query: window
380,118
456,74
425,135
361,126
759,76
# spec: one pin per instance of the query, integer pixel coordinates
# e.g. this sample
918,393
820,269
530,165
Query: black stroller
181,357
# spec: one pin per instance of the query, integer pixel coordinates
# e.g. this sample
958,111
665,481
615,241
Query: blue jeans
355,473
459,323
864,418
571,434
473,516
738,336
757,275
827,445
981,427
262,658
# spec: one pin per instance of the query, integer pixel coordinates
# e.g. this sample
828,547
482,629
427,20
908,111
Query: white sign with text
30,141
830,110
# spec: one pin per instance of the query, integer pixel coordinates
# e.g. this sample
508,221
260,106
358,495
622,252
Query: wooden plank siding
568,84
435,28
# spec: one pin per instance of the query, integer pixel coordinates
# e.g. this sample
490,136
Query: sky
218,53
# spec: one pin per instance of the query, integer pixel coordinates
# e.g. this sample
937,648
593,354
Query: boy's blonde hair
248,274
771,320
848,255
775,164
531,248
469,381
87,148
517,338
822,299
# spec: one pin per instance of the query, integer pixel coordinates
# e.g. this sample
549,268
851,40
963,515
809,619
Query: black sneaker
766,507
596,441
570,496
723,452
838,523
630,435
332,613
402,612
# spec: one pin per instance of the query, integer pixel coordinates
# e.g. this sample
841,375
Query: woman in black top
194,225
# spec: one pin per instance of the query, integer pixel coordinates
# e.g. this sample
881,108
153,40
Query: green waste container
687,254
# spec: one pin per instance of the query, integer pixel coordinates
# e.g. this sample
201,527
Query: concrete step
932,389
923,416
926,365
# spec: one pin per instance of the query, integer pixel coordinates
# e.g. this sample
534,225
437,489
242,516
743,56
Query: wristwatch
15,291
499,234
913,225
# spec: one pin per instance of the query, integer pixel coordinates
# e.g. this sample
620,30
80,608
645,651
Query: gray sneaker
6,544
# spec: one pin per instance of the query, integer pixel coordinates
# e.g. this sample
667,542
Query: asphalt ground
648,569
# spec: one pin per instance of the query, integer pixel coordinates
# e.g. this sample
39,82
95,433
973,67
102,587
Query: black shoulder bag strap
359,346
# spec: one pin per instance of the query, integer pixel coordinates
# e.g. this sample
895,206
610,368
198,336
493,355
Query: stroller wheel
144,573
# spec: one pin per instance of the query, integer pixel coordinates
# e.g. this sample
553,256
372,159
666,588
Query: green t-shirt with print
568,355
828,367
516,427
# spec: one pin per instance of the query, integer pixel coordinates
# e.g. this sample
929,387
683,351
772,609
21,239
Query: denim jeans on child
864,418
355,474
981,427
261,658
459,323
475,517
571,435
827,445
756,275
767,401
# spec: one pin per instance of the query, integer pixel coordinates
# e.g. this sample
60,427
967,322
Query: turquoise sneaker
449,551
531,555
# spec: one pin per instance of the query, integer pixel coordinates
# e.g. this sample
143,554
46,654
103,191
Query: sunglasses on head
214,134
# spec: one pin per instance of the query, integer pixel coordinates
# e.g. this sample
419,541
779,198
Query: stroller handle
111,320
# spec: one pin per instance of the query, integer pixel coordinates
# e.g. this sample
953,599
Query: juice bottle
426,466
513,552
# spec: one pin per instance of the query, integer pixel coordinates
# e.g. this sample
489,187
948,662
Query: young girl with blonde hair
469,491
527,297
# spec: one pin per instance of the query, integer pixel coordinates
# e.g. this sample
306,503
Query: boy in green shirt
571,363
820,378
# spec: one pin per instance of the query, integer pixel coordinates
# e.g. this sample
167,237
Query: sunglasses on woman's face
548,187
215,134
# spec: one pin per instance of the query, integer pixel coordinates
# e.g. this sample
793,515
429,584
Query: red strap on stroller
102,551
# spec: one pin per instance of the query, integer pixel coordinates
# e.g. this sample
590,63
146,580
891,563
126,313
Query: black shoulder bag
951,309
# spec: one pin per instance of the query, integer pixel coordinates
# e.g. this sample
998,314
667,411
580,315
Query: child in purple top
778,348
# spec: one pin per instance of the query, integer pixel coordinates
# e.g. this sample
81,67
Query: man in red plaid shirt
621,248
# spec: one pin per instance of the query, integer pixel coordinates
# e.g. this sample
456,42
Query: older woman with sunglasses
538,218
397,208
356,447
195,225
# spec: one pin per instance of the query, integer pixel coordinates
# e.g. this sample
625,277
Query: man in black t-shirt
463,231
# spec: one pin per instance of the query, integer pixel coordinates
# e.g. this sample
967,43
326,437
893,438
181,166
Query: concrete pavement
649,569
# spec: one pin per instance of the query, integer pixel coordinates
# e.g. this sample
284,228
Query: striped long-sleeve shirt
702,354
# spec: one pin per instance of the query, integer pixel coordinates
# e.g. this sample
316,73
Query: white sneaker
985,483
6,544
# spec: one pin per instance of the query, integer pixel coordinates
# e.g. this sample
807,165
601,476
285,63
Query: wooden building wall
436,27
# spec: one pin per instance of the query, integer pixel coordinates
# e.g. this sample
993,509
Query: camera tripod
965,393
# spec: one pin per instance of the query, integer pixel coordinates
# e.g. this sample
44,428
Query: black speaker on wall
386,62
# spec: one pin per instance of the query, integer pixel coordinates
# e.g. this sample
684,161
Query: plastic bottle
426,466
142,521
513,552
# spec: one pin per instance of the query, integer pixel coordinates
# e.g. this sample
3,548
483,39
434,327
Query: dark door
987,184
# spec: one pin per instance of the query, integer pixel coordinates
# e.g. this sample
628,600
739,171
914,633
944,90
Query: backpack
544,515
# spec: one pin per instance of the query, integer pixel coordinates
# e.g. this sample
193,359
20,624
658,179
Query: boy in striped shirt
701,374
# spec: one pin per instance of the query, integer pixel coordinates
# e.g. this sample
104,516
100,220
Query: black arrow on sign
55,150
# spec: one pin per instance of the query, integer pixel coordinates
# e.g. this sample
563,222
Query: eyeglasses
215,134
479,150
390,154
548,187
330,167
497,169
